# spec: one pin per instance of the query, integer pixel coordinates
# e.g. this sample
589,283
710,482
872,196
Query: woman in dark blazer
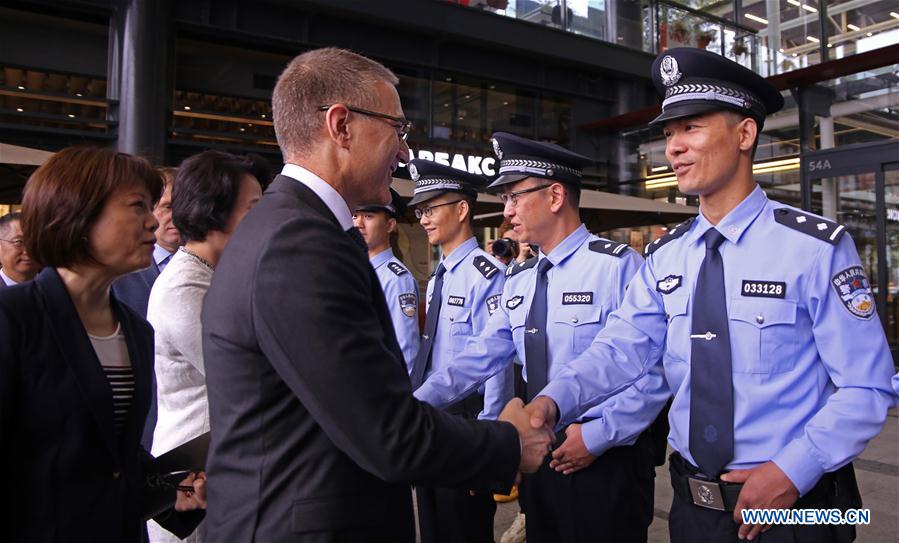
75,364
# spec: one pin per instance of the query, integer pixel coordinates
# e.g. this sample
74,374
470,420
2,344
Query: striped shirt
113,354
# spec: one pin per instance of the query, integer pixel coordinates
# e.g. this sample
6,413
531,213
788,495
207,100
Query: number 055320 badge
854,291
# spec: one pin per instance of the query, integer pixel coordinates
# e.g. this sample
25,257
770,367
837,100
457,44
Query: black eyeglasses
507,197
402,131
427,211
17,243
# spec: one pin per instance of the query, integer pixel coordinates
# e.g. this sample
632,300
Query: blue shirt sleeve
623,351
498,389
856,357
405,325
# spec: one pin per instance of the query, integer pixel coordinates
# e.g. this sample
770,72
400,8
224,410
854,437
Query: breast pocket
516,324
459,321
580,322
763,335
677,340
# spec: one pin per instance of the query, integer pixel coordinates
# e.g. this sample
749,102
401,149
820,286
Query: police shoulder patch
854,290
397,268
607,247
483,265
672,234
813,225
519,267
408,304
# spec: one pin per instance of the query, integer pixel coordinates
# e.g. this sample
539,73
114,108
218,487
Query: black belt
693,487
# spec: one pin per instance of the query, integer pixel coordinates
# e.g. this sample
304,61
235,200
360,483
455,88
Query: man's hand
764,487
572,455
535,440
191,500
543,412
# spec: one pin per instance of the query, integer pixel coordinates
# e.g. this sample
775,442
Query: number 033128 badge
854,290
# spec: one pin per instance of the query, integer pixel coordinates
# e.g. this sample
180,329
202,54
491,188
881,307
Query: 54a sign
818,165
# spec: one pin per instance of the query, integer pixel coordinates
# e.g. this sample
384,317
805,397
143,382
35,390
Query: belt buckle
706,494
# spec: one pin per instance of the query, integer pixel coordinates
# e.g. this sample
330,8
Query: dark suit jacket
133,290
315,432
66,474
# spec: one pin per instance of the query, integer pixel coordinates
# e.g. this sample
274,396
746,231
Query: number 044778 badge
854,291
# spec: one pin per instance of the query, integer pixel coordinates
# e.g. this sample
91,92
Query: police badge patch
493,303
408,304
670,71
854,290
413,172
514,302
496,149
669,284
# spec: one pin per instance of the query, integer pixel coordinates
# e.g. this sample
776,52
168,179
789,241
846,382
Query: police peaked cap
433,179
395,208
520,158
695,81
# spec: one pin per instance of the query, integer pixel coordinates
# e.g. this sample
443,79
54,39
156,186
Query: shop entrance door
858,186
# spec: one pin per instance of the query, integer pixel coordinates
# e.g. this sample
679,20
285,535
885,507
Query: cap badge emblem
413,172
496,149
669,71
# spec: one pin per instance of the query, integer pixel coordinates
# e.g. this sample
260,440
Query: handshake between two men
534,422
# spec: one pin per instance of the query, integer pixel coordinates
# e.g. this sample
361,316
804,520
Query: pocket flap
456,314
576,315
346,512
675,304
763,312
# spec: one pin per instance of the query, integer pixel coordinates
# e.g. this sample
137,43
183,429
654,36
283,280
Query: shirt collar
6,279
323,190
568,246
381,258
160,254
458,254
734,223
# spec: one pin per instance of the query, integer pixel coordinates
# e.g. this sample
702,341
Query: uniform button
760,319
115,474
452,318
574,320
733,229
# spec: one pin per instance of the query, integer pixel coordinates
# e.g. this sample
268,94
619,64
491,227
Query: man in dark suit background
315,432
134,289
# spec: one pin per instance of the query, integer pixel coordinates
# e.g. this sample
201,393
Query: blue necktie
711,378
535,334
423,358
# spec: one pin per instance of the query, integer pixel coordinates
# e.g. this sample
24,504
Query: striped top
113,354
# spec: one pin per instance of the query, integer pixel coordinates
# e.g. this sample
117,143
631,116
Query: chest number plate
764,289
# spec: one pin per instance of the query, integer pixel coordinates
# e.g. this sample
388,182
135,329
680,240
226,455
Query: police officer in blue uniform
763,318
377,223
599,484
462,294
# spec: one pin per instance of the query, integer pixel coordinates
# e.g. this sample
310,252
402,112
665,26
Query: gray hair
318,78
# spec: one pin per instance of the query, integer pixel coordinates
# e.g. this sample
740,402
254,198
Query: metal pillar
812,101
140,75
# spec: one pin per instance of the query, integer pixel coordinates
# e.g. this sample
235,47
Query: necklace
198,257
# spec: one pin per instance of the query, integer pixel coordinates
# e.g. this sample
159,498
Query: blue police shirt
472,285
401,293
584,286
811,366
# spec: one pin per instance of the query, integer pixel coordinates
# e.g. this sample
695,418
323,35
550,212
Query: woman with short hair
74,362
212,193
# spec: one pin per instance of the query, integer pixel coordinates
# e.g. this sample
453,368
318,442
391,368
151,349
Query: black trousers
609,501
453,515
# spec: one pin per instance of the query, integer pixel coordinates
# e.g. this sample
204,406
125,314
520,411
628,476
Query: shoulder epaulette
672,234
607,247
482,263
397,268
517,267
814,226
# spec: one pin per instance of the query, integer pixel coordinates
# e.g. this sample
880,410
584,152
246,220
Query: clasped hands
534,423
